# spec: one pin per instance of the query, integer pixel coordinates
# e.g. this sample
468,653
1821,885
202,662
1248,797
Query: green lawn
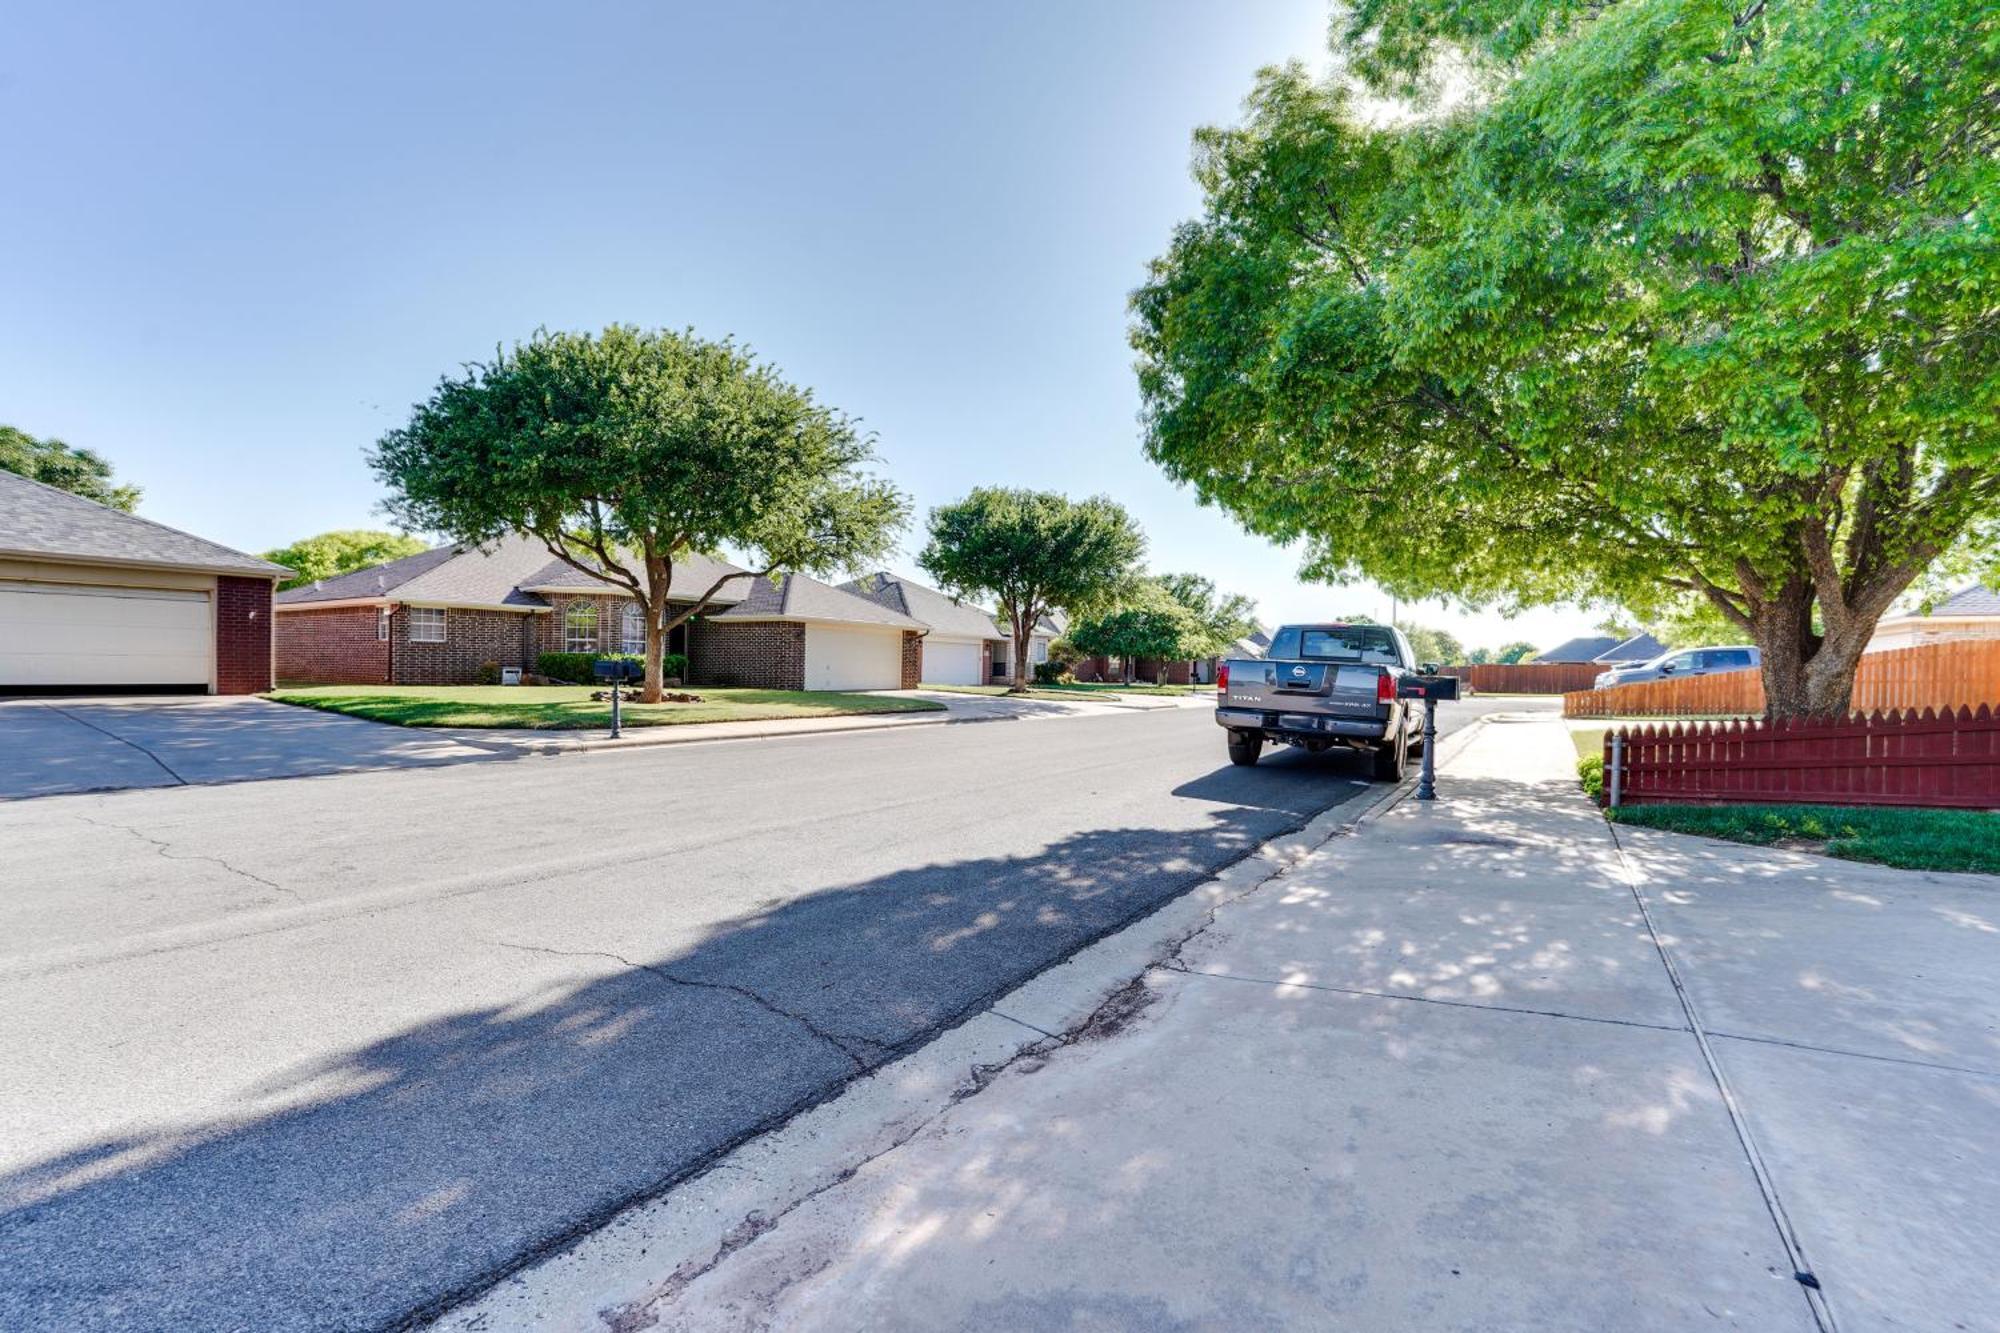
558,707
1909,839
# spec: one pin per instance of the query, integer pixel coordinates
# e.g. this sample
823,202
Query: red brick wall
242,635
471,639
913,659
336,646
764,654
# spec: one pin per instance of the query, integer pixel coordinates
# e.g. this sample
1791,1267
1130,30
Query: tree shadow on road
431,1162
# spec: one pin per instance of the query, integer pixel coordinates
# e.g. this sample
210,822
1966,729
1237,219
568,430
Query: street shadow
353,1193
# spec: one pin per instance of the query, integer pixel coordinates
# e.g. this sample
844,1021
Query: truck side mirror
1666,668
1431,668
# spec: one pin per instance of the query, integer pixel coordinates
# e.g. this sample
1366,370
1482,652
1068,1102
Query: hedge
577,667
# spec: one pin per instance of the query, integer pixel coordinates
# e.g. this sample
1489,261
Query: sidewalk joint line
1940,1066
1429,999
1809,1283
1022,1022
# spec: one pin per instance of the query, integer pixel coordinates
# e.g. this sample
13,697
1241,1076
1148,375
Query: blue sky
243,240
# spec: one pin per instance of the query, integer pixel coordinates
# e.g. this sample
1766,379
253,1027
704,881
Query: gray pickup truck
1322,686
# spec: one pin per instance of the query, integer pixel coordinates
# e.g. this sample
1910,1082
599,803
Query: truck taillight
1222,677
1385,688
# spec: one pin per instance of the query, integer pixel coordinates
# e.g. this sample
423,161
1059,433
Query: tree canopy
65,467
340,552
624,451
1156,627
1033,552
1220,617
1685,297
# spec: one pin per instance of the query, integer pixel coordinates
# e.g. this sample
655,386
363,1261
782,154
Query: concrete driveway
55,745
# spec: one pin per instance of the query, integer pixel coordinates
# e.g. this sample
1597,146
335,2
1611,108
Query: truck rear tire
1245,747
1392,759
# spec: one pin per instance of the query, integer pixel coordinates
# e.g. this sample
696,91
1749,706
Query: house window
426,624
1038,651
580,628
382,624
632,629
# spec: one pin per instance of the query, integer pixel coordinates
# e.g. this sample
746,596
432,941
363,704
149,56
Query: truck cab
1323,686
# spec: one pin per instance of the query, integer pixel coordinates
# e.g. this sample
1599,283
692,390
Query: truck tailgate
1339,689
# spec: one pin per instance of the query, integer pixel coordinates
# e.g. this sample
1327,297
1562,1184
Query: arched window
632,629
580,628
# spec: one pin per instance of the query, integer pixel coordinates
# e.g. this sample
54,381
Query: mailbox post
1430,689
616,672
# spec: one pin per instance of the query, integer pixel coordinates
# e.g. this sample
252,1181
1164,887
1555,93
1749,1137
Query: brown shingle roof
801,597
45,523
461,575
943,614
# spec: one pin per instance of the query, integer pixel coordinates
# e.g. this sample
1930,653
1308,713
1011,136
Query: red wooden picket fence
1953,674
1946,759
1528,677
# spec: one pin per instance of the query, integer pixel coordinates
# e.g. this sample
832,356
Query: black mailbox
617,669
1434,688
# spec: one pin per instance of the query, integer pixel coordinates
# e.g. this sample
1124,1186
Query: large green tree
1033,552
340,552
624,451
65,467
1222,617
1683,296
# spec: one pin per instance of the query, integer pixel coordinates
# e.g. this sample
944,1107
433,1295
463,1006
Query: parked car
1322,686
1684,662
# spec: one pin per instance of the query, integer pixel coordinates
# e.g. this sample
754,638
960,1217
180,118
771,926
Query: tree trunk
1806,674
1020,684
656,643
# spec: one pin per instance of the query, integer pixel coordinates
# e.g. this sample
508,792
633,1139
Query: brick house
92,598
439,617
960,640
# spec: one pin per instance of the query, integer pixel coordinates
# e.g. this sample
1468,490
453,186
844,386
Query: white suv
1684,662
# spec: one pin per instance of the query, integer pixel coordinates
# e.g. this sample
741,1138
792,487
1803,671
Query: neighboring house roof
43,523
1638,648
1053,625
944,614
505,575
1255,644
459,575
800,597
1582,649
1973,601
693,575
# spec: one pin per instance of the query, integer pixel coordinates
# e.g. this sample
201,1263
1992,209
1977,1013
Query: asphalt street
337,1052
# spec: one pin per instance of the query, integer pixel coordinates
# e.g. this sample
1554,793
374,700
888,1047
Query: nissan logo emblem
1298,671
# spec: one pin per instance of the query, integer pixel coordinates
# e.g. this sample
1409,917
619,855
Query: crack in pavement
838,1040
166,850
1117,1011
122,740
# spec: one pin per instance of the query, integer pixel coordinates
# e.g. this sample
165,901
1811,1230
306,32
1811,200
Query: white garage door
853,659
103,636
954,661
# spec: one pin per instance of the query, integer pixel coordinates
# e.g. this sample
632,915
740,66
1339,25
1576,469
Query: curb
610,1275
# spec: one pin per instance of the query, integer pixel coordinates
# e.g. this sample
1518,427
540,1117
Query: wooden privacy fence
1960,674
1528,677
1947,759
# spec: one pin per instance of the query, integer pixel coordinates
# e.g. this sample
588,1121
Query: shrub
488,674
1052,673
577,667
1590,772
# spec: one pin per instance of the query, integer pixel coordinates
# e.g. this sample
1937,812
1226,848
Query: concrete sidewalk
1456,1071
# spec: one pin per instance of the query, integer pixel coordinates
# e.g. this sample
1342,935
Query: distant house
1254,644
443,616
1635,650
959,640
1970,613
1047,630
1586,648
